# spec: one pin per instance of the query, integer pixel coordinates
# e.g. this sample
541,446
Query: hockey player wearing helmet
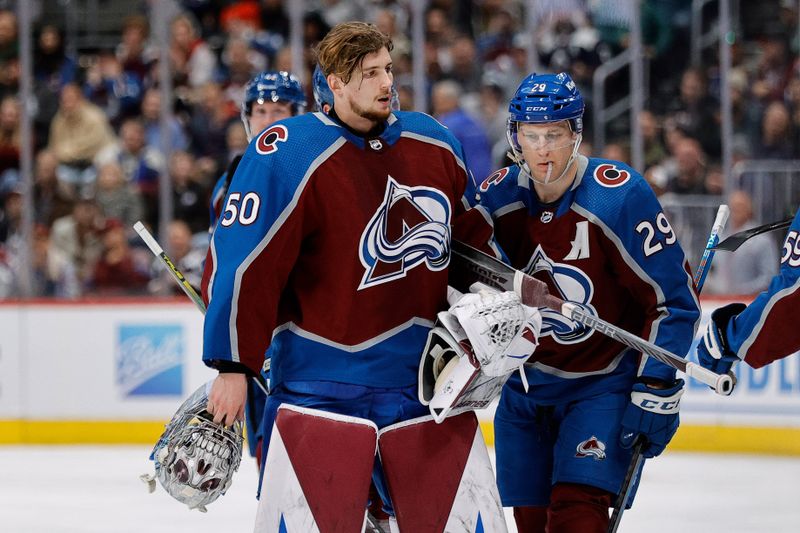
595,232
269,97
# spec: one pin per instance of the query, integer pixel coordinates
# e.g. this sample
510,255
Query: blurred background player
594,231
761,332
269,97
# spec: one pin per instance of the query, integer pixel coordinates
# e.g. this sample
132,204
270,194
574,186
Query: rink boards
102,372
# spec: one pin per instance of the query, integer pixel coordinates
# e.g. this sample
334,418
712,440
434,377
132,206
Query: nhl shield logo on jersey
593,448
494,178
375,144
571,284
609,175
268,141
411,227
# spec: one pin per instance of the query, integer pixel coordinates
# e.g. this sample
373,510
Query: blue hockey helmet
273,86
542,98
322,92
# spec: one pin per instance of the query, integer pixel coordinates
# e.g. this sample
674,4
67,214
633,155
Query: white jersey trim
351,348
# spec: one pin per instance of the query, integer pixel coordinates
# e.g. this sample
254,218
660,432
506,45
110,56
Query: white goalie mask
195,458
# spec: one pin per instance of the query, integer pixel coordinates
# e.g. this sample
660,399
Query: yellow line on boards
725,439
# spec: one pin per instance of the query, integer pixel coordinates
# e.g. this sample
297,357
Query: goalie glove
475,346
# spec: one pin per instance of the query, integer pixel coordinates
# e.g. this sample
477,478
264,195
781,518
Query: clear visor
549,140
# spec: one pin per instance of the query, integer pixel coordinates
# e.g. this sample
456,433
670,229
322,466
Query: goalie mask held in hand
195,458
473,349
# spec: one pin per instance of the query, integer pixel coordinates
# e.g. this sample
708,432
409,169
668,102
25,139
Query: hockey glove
713,352
653,415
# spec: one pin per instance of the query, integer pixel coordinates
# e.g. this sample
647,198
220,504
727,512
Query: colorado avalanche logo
591,448
610,176
410,228
570,284
493,179
268,141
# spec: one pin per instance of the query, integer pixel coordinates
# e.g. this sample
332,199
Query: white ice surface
65,489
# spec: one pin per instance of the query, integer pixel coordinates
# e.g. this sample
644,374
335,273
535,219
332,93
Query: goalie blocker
318,466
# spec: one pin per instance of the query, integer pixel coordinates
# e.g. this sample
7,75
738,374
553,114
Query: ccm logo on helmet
494,178
611,176
268,140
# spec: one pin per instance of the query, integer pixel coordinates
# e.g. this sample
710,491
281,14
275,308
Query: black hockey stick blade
737,239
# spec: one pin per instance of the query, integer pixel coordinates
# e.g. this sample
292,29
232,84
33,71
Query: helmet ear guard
194,458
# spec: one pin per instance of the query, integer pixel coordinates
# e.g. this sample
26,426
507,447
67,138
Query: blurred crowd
100,151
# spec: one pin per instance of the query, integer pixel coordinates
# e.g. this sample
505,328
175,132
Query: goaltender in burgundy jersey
609,227
317,250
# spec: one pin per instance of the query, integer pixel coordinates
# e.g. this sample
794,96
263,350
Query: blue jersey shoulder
609,188
503,187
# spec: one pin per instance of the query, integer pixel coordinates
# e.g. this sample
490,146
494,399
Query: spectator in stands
133,51
274,19
777,137
117,92
464,66
184,255
654,149
469,132
141,165
118,271
773,69
151,115
749,269
188,196
117,198
77,236
494,116
618,151
210,119
9,44
8,283
52,273
51,198
193,64
696,112
11,220
239,64
690,170
9,142
52,69
79,133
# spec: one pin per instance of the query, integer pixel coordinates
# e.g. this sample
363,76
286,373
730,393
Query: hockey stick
468,260
637,459
179,278
737,239
171,268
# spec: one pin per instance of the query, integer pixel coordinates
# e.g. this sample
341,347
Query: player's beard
370,114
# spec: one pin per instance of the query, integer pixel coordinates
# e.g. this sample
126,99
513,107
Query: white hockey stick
535,293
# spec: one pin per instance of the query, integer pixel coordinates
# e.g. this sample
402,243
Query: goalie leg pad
439,476
304,443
